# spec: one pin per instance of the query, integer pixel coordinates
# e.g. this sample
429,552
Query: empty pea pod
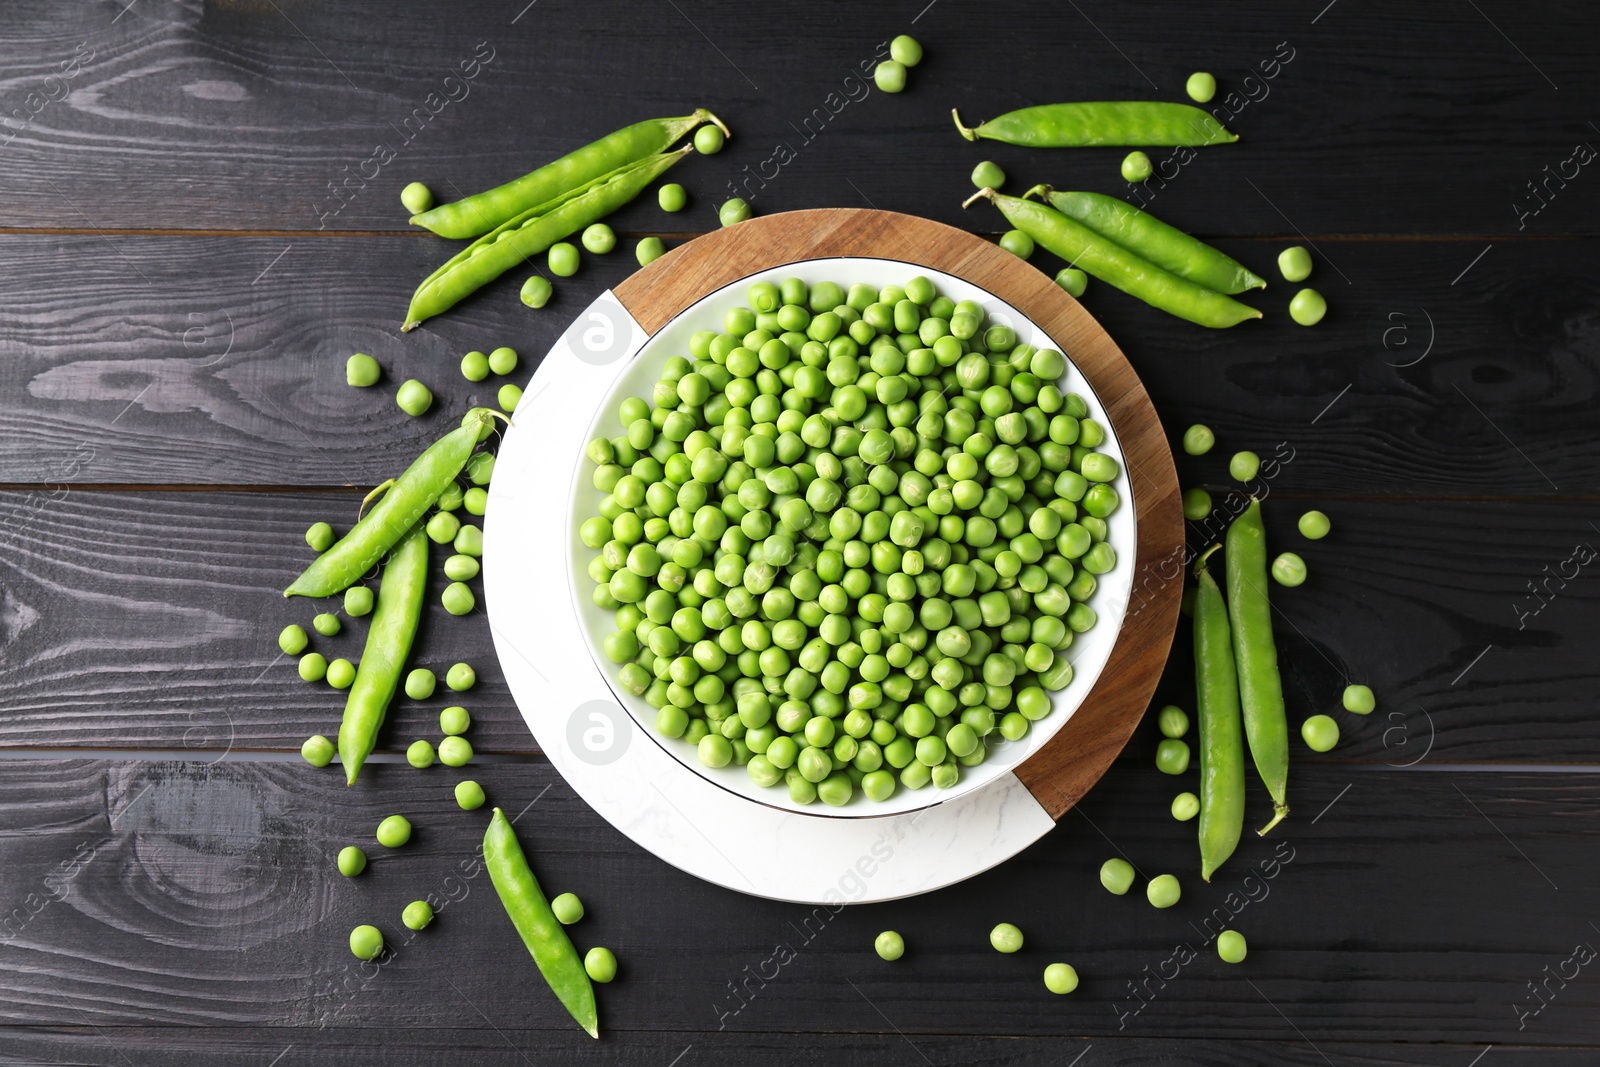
1115,265
478,214
1128,123
394,625
1145,235
1221,737
1260,686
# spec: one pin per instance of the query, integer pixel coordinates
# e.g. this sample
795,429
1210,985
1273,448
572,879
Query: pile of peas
850,538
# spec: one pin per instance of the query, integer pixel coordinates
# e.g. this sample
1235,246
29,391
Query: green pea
461,677
988,175
1018,244
416,198
1231,946
1295,263
455,752
1117,876
568,908
413,397
341,674
1060,978
420,754
394,831
1201,87
733,211
469,542
358,600
461,568
1308,307
1314,526
1136,167
313,667
361,371
417,914
905,50
317,751
598,238
319,536
1359,699
476,501
292,639
509,397
458,599
1073,280
366,942
352,861
1198,439
562,259
454,720
1244,466
1185,806
469,795
601,964
536,293
1173,721
1163,891
708,140
1289,569
502,361
420,684
1005,937
442,528
1172,756
650,249
326,624
672,197
889,945
1196,504
1320,733
890,76
474,366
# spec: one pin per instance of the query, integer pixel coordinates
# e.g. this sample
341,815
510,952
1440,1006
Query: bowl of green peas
851,537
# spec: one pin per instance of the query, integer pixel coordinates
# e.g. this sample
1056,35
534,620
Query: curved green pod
1126,123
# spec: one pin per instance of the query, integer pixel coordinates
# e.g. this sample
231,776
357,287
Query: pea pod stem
1221,737
1080,124
389,637
377,491
536,923
1145,235
1260,686
530,233
1116,266
478,214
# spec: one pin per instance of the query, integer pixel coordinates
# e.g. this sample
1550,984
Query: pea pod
530,233
1260,687
1145,235
1111,122
482,212
411,494
1216,684
389,637
530,913
1115,265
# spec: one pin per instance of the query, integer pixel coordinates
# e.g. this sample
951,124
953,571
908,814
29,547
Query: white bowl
1089,651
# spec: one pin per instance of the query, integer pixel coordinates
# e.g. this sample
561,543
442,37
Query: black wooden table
201,220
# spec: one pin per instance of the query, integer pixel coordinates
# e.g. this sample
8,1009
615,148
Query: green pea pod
1216,684
1131,123
1260,687
482,212
1115,265
530,913
1145,235
389,637
530,233
411,494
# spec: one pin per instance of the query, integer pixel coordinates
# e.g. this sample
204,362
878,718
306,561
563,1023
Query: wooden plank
182,894
259,116
126,614
117,366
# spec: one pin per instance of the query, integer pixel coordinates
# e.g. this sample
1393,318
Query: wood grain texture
1065,767
271,115
185,895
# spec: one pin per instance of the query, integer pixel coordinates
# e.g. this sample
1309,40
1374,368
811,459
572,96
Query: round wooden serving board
1064,769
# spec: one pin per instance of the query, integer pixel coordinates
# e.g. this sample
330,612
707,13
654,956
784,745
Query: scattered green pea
1289,569
598,238
988,175
477,502
1196,504
509,396
562,259
319,536
1117,875
455,751
420,754
420,684
1201,87
366,942
413,397
1308,307
352,861
889,945
1060,978
733,211
313,667
568,908
1198,439
1017,243
502,361
601,964
480,468
317,751
1359,699
461,677
358,600
1314,526
327,624
1173,721
469,542
460,568
1320,733
1005,937
458,599
672,197
454,720
1185,806
1163,890
474,366
708,140
536,291
890,76
1244,466
1172,756
361,370
293,639
416,198
651,249
905,50
341,674
469,795
1073,280
1231,946
394,831
1295,264
1136,167
417,914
